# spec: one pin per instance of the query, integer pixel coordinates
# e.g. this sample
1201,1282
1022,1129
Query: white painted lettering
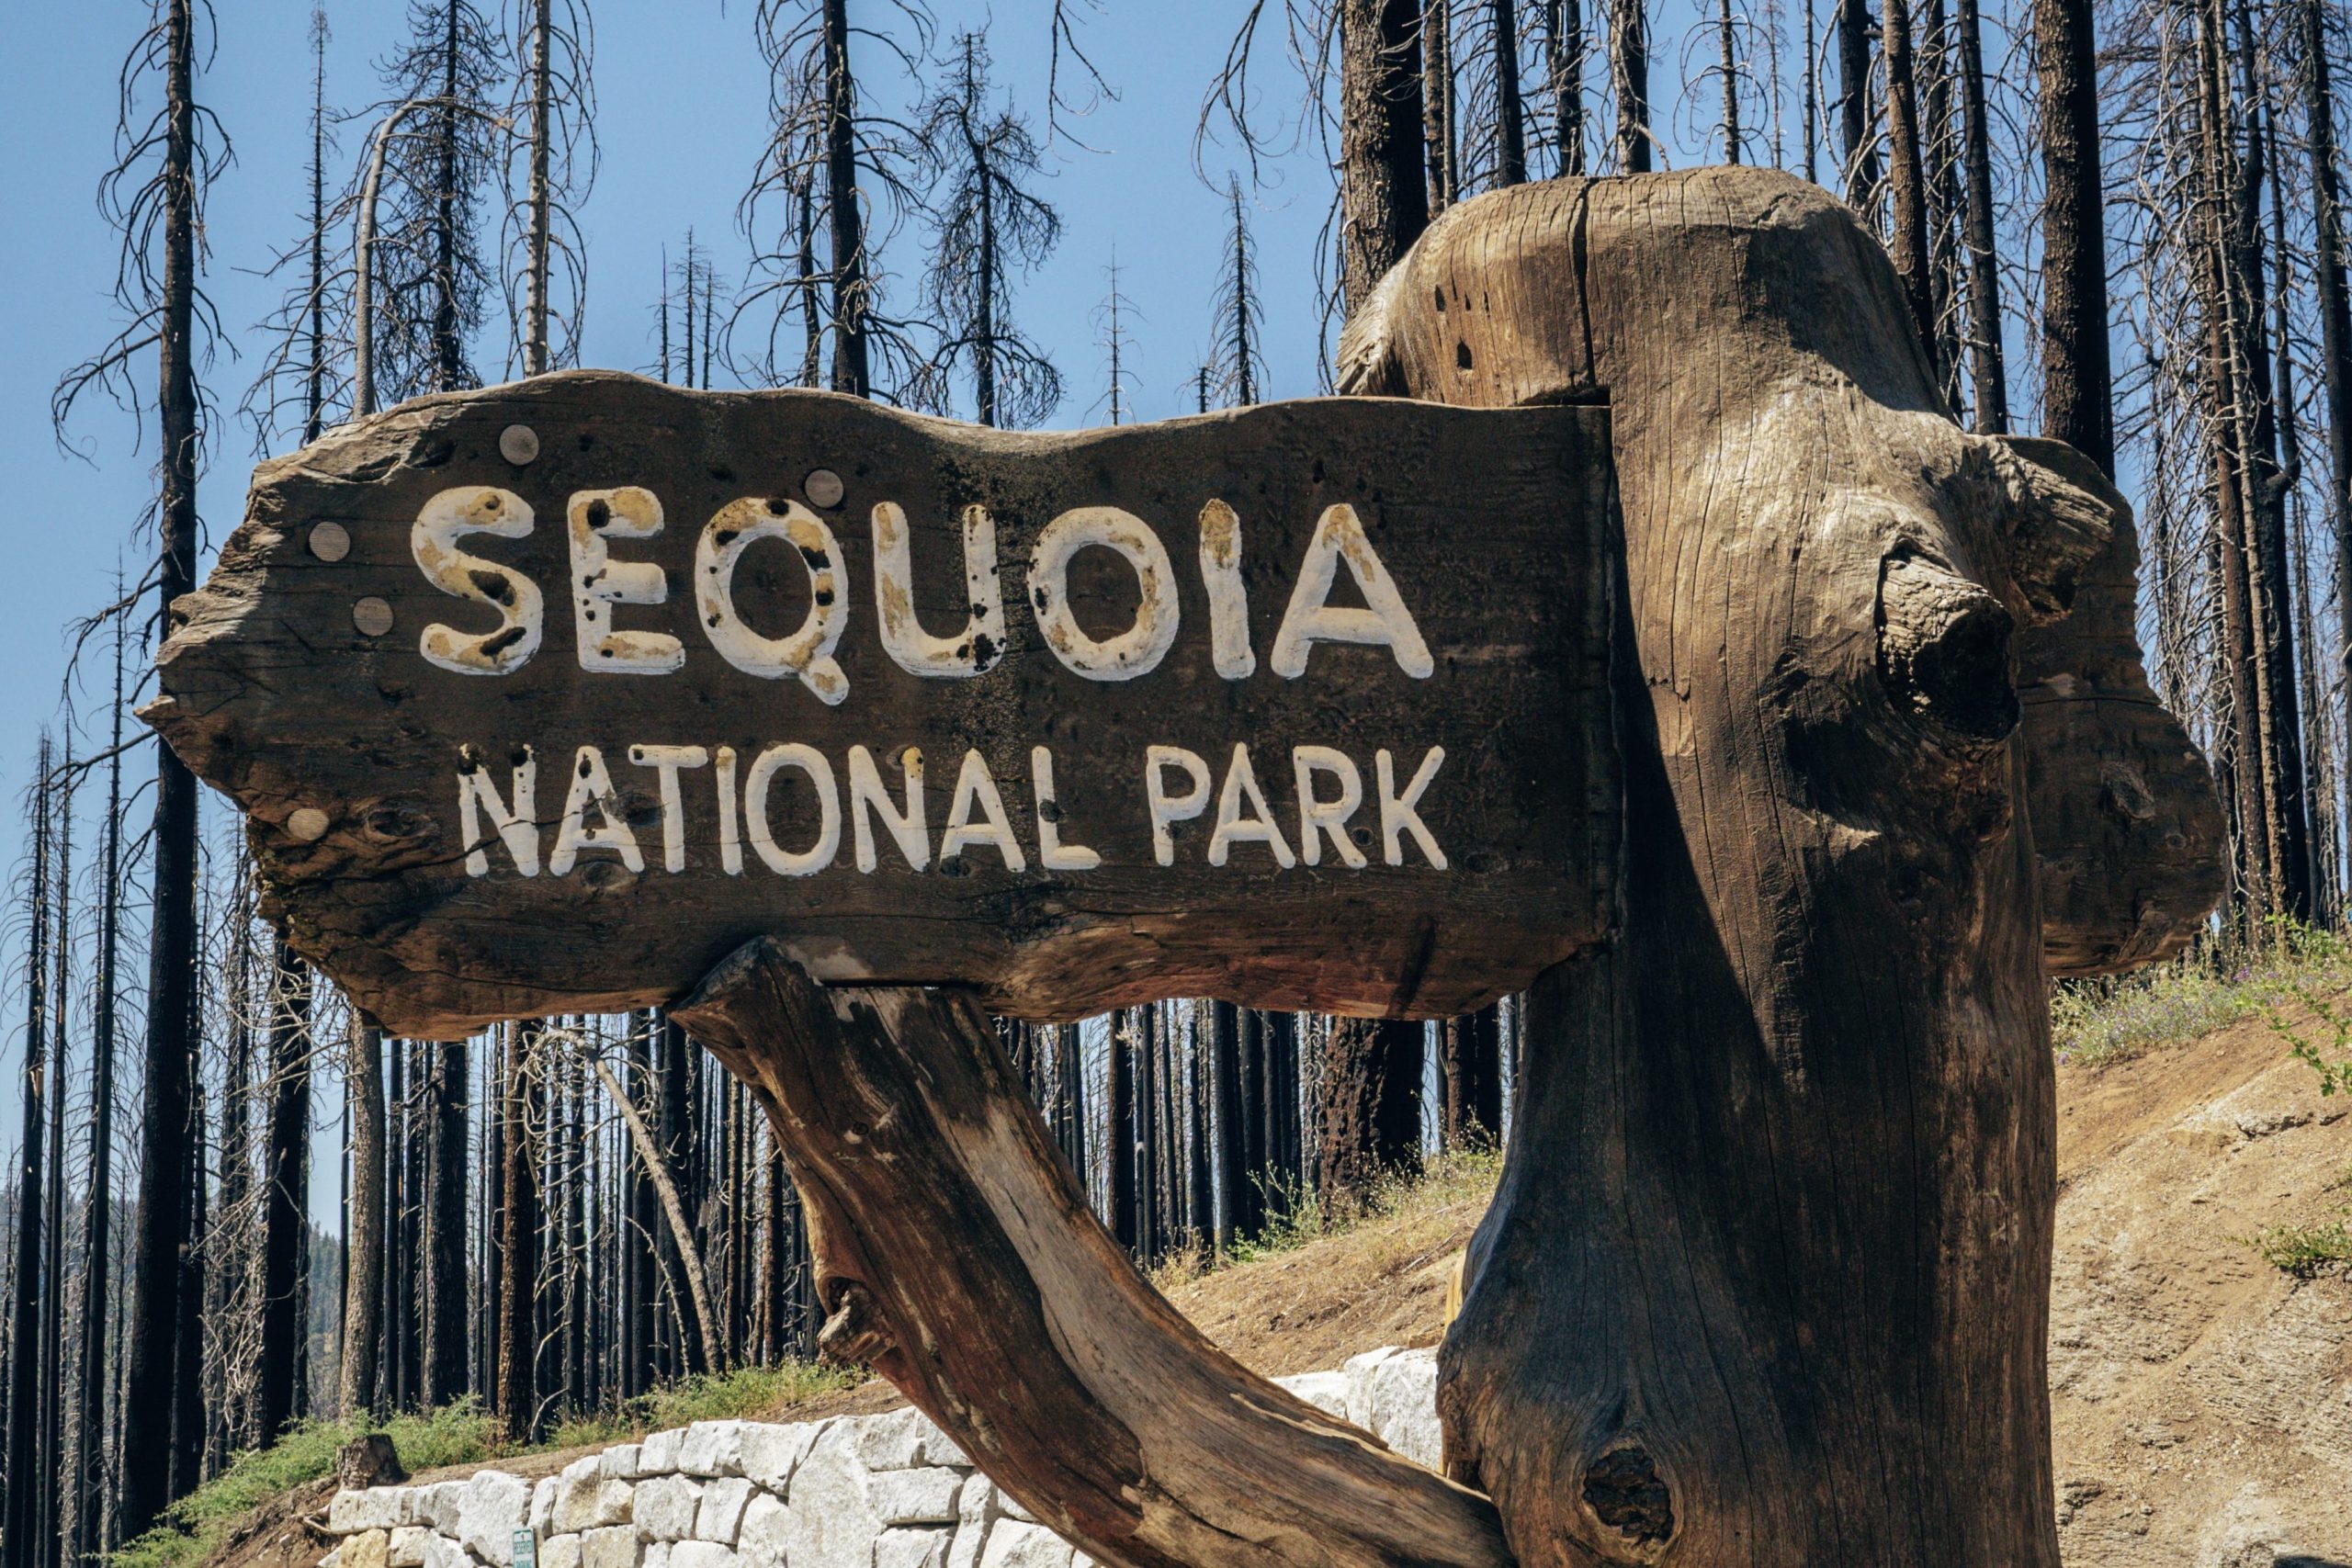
1139,649
1052,853
1311,619
1318,819
730,840
666,761
1166,808
1400,813
592,786
808,654
1228,600
976,786
765,767
974,652
593,519
868,797
447,518
1232,828
517,829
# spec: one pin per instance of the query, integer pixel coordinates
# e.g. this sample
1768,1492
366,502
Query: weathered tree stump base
956,1257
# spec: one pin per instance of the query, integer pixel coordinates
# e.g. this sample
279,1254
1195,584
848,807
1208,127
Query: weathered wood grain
278,689
1765,1277
957,1257
2127,827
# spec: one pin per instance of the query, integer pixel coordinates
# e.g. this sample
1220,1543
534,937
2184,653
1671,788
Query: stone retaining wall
854,1491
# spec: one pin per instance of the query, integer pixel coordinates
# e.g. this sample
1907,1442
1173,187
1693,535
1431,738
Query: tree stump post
1767,1278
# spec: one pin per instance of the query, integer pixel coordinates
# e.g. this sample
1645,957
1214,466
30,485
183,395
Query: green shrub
197,1524
723,1396
2304,1251
2093,1022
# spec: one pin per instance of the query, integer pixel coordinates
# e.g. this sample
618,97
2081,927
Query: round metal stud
307,823
372,616
824,488
519,445
330,541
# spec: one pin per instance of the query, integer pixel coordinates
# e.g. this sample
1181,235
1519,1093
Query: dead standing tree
839,168
988,229
154,196
554,99
428,275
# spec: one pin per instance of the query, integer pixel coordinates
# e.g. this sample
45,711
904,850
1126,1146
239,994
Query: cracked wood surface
1766,1280
1488,525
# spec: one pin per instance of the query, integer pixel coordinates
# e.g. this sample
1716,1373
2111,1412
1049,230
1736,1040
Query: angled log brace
956,1257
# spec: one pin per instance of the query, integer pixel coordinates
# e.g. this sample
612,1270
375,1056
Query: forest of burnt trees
2118,222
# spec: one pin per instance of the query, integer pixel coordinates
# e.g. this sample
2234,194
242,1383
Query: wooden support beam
957,1257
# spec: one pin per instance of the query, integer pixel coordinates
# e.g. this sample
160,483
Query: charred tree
1857,126
1907,182
515,1399
1384,202
159,211
1987,374
1440,144
989,230
88,1470
21,1525
1564,56
1372,1106
363,1323
1629,79
284,1244
442,1367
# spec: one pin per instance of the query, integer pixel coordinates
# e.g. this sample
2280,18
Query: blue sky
682,92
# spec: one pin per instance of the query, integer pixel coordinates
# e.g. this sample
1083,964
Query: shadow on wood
1766,1280
956,1257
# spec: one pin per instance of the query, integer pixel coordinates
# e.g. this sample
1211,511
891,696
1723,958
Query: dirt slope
2201,1399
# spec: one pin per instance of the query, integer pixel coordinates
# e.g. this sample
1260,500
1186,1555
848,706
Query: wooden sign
545,698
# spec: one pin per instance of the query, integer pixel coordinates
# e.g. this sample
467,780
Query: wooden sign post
547,698
1702,677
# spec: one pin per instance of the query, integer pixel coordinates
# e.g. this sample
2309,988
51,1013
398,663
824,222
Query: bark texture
1032,1341
1766,1281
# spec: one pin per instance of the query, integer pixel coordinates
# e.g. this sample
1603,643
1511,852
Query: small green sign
527,1549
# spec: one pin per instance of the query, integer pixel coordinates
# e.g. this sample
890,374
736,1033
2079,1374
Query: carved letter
1052,853
1166,808
809,760
668,759
974,785
913,650
1232,828
1398,814
477,792
590,785
447,518
1139,649
1317,818
808,652
1228,600
866,797
1339,537
599,583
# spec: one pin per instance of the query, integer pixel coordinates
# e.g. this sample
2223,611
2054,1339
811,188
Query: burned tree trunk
1372,1105
284,1243
1033,1341
1821,577
515,1399
364,1281
1385,203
